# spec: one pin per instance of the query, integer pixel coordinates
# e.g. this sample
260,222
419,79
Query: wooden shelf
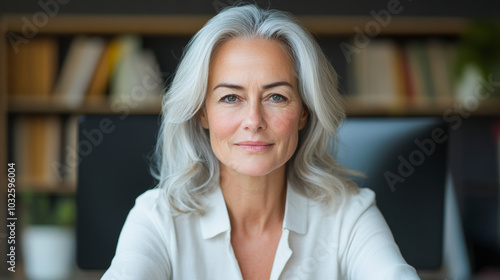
59,189
113,24
342,25
190,24
30,106
355,108
29,186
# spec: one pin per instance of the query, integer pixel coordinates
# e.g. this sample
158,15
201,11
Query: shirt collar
216,219
295,211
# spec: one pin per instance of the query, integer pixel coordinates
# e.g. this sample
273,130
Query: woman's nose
254,116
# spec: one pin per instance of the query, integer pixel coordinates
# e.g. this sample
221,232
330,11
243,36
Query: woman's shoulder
358,203
363,199
148,199
353,204
153,202
341,221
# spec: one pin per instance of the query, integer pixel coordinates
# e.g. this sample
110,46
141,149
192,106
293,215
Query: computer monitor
408,151
404,161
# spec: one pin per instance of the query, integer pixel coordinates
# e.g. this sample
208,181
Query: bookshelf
23,106
186,25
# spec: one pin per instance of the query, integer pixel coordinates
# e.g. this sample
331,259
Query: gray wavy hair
185,165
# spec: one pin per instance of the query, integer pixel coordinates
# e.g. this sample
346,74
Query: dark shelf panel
190,24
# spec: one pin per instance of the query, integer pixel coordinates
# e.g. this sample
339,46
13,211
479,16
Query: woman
247,186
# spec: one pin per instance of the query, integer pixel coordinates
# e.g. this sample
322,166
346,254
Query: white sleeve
372,253
141,252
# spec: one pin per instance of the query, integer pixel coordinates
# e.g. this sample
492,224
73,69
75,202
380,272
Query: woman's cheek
286,122
224,124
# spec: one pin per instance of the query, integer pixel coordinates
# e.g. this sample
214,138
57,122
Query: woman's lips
254,146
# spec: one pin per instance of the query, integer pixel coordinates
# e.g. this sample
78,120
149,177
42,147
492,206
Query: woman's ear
304,115
202,116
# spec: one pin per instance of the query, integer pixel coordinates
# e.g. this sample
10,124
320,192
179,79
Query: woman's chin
254,171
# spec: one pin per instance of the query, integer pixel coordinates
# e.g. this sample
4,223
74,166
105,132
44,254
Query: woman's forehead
242,57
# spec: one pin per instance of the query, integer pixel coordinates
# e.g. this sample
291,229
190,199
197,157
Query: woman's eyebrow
268,86
277,84
226,85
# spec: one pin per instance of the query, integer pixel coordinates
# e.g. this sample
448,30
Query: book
440,71
33,69
415,73
78,69
416,69
376,68
409,84
99,82
71,151
136,76
67,167
357,73
149,75
424,64
451,52
123,77
37,141
400,76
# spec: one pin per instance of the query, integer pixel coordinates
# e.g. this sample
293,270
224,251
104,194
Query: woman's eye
278,98
230,98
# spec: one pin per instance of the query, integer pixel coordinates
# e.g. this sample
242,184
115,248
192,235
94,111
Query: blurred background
395,59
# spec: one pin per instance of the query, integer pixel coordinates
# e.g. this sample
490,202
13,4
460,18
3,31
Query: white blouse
353,242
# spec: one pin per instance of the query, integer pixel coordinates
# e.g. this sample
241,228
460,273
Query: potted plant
48,240
478,61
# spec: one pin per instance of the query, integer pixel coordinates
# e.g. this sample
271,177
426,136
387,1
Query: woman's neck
255,204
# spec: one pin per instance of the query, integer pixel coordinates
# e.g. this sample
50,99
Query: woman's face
253,110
